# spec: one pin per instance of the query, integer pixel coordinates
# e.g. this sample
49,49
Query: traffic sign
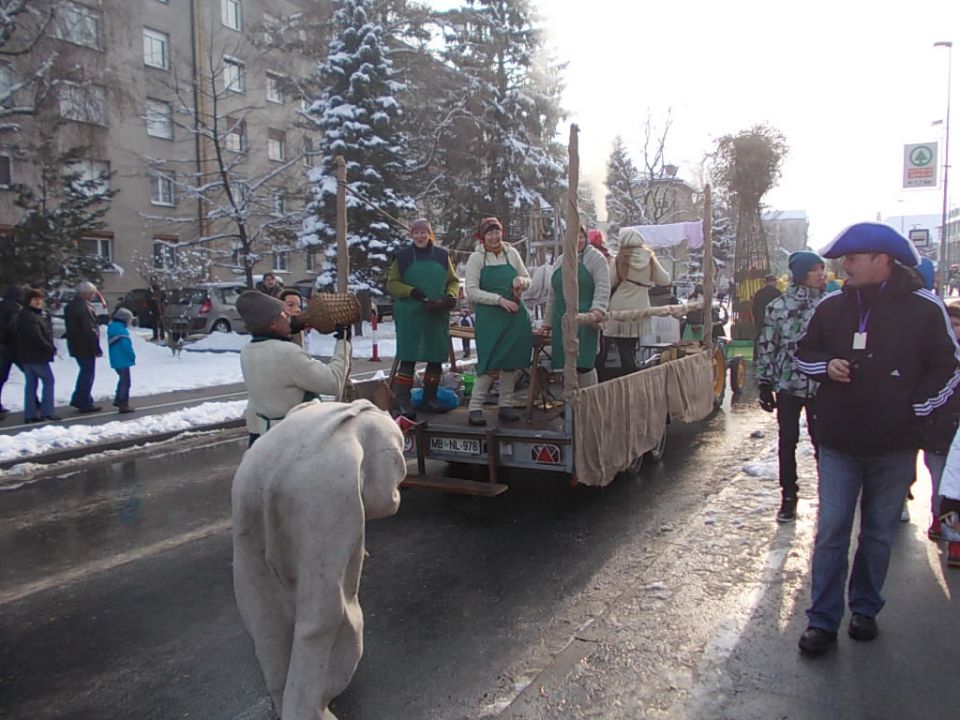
920,165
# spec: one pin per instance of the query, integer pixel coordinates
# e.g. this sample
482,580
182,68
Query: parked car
138,301
204,308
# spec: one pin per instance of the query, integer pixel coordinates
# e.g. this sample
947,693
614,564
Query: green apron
504,339
422,335
589,336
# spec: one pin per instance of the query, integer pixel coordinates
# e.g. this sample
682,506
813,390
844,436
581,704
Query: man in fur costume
301,498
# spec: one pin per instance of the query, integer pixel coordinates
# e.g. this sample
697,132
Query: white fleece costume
301,498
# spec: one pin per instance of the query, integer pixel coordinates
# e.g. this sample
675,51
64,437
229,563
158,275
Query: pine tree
513,100
624,206
358,115
66,205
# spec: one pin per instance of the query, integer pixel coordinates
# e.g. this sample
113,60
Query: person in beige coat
301,499
278,373
633,272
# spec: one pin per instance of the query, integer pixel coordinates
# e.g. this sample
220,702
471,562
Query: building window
281,260
97,247
6,85
279,205
83,103
235,138
90,177
274,88
162,189
156,49
276,145
78,24
231,14
164,255
308,152
159,116
311,260
233,75
6,171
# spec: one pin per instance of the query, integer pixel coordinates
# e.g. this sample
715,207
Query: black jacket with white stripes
910,367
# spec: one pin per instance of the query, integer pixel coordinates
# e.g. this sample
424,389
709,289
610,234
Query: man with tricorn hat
424,285
278,373
885,356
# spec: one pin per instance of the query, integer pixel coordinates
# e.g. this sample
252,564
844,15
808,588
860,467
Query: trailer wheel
656,454
719,376
738,375
633,469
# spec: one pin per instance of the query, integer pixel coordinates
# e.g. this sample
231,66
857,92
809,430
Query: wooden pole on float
708,282
343,257
571,280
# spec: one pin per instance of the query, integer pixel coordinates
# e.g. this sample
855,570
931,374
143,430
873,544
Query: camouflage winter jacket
784,323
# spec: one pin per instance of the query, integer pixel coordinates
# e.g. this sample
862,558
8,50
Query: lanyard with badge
860,337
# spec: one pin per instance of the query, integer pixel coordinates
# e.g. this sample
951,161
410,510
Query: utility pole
944,250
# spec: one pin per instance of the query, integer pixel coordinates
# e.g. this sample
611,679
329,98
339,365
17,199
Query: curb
118,444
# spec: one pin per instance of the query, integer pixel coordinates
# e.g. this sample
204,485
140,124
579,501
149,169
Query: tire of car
220,325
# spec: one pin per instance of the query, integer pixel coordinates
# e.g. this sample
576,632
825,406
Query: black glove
343,332
451,302
417,294
296,325
435,305
768,401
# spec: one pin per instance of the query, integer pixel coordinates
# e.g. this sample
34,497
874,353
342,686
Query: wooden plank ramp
454,486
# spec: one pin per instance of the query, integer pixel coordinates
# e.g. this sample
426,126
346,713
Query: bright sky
848,82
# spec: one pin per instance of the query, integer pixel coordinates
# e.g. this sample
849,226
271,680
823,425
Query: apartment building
126,92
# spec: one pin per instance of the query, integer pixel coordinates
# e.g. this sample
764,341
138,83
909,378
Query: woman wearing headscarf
425,286
593,276
632,273
496,278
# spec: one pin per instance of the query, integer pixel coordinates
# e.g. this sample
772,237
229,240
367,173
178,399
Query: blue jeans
82,399
880,483
34,372
123,387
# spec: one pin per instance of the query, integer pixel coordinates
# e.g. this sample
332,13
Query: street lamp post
944,256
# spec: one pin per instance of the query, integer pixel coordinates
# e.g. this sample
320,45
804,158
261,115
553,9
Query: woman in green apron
424,285
593,274
495,279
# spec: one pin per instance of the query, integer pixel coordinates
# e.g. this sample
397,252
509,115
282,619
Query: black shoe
34,420
816,641
91,409
788,510
475,417
126,409
52,418
863,627
508,414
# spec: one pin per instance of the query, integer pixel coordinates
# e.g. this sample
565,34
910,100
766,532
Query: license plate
455,446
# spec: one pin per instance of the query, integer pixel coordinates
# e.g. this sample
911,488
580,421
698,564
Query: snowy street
672,594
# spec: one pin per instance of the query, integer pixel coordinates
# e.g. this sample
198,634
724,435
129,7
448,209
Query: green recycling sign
920,165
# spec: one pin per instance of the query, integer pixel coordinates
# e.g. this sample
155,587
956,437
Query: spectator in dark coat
763,297
35,350
270,285
10,306
83,344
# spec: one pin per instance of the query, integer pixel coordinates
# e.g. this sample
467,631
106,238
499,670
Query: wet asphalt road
116,594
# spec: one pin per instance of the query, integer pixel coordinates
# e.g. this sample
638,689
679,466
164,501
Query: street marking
100,566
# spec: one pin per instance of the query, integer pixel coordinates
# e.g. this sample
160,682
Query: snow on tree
623,179
23,85
358,115
67,204
513,99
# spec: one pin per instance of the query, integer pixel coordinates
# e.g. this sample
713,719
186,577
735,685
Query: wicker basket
327,310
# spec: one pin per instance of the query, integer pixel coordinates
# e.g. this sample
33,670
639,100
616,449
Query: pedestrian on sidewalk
949,506
10,307
35,351
884,354
83,344
783,387
280,375
122,356
465,321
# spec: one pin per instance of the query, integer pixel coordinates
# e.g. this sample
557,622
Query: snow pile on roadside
63,437
217,342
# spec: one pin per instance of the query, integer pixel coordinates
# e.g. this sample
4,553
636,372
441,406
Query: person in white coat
278,373
301,499
632,273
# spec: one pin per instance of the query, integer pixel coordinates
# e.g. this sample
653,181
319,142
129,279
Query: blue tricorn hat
873,237
928,272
